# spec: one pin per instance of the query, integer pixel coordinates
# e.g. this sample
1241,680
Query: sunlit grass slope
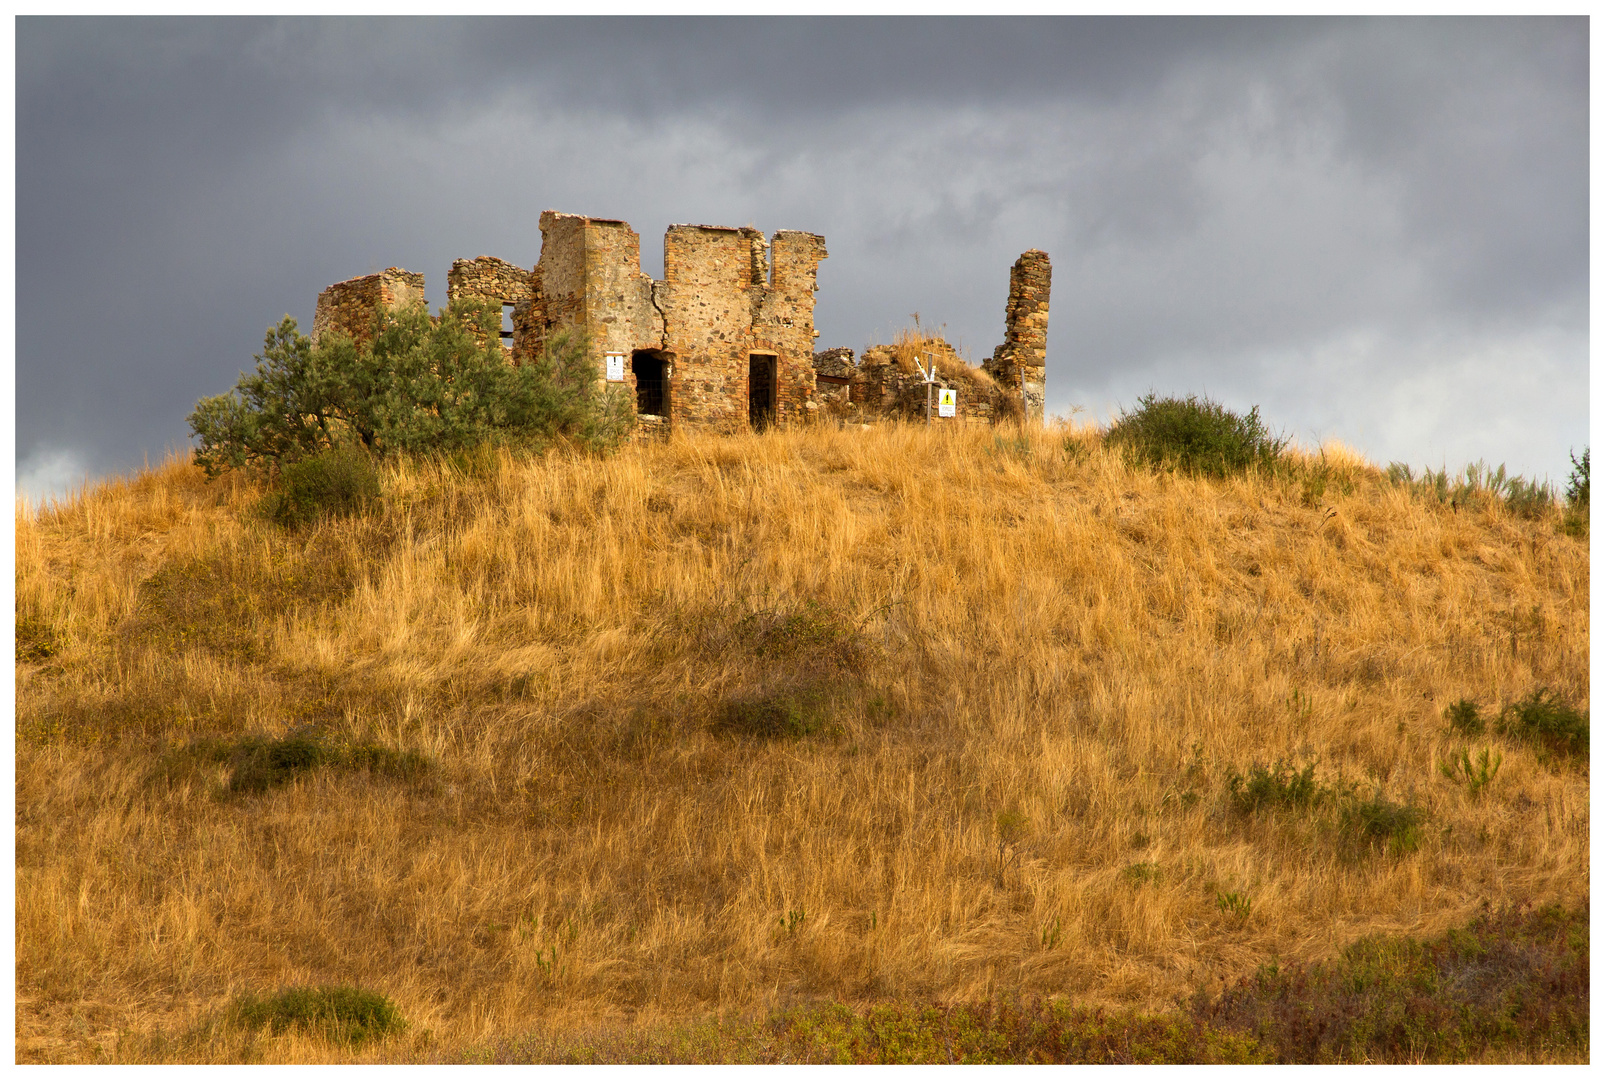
716,727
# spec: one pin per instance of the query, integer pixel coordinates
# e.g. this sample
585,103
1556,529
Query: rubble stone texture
490,279
1020,363
348,307
888,384
732,307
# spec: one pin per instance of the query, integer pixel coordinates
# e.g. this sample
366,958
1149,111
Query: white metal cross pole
930,380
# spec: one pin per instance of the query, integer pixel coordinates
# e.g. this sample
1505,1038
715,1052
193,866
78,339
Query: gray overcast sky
1374,229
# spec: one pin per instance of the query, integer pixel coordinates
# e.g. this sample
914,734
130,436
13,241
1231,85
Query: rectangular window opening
507,320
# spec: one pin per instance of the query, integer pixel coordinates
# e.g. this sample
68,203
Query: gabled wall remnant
348,307
726,340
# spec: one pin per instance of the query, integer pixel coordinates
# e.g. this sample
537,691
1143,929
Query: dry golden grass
1036,669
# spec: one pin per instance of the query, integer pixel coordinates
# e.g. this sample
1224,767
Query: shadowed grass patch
1516,979
340,1014
338,482
255,764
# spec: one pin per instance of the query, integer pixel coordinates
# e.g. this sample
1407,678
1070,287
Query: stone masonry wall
1020,363
786,320
727,294
491,279
348,307
707,315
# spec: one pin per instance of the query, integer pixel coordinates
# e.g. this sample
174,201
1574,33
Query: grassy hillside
715,729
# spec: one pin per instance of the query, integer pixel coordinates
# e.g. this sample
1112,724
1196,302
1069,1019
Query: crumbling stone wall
786,319
887,384
833,376
727,295
721,304
1020,363
490,279
348,307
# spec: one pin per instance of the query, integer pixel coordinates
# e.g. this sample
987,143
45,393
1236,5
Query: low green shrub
1543,720
1142,873
1478,484
36,639
1272,788
1463,718
335,483
1473,773
263,764
342,1014
1195,435
1237,905
1577,482
1380,822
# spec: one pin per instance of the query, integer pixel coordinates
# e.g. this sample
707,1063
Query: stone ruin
725,341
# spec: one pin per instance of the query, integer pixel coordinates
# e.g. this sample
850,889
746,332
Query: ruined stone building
726,340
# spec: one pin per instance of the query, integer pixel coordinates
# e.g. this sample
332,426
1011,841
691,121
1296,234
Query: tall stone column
1020,363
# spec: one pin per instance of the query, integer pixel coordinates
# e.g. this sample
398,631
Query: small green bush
1195,435
36,639
1237,905
1543,720
1577,482
1278,786
1380,822
1474,773
1142,873
343,1014
1528,499
260,765
335,483
1478,484
1463,718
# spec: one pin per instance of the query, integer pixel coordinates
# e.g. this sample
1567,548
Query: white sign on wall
615,367
948,403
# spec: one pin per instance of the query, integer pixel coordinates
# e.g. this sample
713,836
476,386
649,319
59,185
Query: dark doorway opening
651,382
761,390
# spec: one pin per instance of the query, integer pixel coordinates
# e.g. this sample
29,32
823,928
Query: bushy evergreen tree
419,384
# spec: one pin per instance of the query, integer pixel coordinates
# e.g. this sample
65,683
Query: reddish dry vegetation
758,748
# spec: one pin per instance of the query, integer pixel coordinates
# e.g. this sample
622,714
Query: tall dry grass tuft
714,726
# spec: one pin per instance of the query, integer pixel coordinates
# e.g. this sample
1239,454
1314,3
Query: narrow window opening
761,390
507,321
651,382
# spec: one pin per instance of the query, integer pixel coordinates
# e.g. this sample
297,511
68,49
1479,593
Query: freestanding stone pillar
1020,363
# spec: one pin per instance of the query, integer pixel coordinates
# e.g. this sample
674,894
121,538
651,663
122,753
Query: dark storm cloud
1376,229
